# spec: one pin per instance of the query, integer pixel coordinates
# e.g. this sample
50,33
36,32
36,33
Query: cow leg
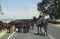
20,29
15,28
9,30
28,29
32,26
1,28
24,29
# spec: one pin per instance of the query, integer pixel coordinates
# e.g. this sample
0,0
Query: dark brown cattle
26,25
1,25
22,24
4,25
8,26
31,22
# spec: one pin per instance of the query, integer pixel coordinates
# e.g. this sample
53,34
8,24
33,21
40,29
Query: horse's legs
32,27
41,30
45,29
38,29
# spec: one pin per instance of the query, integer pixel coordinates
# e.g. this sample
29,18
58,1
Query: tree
40,6
53,8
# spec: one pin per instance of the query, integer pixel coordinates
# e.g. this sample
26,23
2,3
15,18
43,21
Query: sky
19,9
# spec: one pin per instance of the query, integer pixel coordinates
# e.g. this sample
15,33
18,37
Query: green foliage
55,8
40,6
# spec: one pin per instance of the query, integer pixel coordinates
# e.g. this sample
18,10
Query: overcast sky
19,9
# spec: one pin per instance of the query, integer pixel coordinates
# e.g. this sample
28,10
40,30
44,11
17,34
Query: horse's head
34,19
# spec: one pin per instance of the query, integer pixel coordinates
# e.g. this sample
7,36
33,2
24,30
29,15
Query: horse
42,23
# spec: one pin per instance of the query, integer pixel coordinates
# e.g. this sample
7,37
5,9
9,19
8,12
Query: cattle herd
23,25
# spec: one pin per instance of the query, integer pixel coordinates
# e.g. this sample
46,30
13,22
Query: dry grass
2,33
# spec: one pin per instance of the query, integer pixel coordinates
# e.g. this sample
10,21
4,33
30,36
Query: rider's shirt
47,17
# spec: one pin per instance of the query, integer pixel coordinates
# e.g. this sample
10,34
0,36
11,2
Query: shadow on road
38,34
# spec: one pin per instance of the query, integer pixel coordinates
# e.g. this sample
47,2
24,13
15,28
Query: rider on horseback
41,22
41,14
41,17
